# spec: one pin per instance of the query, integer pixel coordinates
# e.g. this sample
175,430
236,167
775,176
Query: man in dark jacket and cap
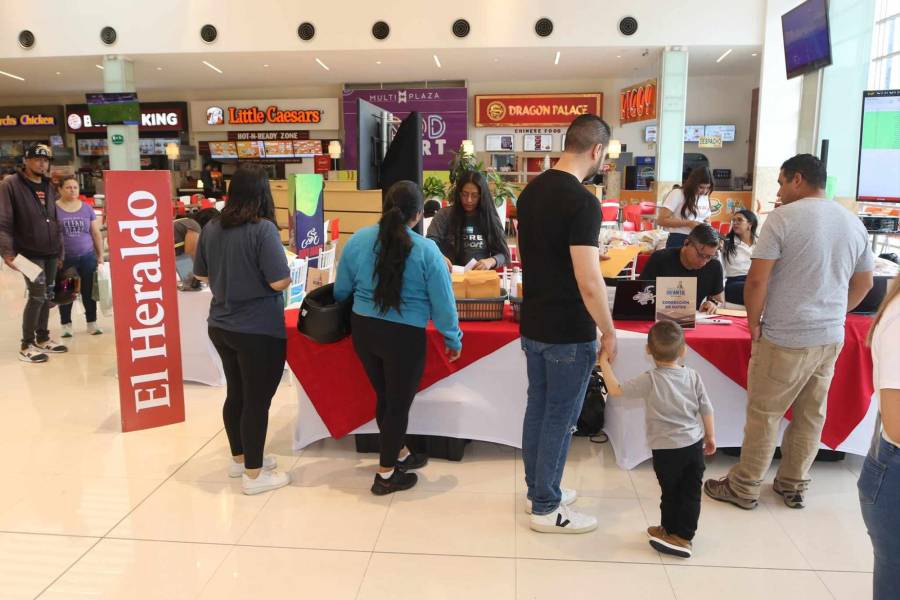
29,228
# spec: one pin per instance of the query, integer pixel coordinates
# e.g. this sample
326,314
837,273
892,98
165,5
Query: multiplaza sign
253,115
28,120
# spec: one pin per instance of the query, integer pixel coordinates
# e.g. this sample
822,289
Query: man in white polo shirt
811,265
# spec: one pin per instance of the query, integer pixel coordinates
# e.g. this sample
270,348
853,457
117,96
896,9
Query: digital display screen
693,133
222,150
807,42
538,143
726,132
498,143
114,109
879,147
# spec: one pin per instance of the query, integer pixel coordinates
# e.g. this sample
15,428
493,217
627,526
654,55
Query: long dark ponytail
730,248
402,204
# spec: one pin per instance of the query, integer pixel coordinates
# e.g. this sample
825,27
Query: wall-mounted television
693,133
726,132
114,108
879,147
807,40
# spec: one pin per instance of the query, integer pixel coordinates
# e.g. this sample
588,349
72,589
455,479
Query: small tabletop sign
676,300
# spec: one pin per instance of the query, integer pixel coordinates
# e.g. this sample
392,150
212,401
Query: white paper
706,319
458,269
470,265
28,268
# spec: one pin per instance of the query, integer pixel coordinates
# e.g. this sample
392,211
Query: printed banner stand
676,300
306,192
145,302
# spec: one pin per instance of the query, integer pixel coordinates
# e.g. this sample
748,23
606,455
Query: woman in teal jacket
398,281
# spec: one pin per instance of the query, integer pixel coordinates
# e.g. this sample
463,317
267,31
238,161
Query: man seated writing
697,258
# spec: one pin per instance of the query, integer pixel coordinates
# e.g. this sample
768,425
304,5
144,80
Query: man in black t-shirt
564,303
697,258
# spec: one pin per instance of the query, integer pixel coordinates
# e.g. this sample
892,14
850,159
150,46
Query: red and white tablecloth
482,396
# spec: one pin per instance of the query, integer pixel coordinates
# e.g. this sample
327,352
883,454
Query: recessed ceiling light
496,60
213,67
618,56
99,67
437,61
266,66
323,65
724,54
58,73
11,76
556,60
377,62
159,68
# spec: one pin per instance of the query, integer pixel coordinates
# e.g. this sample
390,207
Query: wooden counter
355,208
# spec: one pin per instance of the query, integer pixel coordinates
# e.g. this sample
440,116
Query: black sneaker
399,481
412,462
792,498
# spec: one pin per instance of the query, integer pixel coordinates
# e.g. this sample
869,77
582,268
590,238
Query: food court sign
528,110
638,102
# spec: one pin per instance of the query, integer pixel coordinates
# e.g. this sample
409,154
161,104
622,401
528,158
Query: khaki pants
778,379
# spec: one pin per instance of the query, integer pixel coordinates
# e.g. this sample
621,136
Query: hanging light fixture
172,151
467,147
615,149
334,149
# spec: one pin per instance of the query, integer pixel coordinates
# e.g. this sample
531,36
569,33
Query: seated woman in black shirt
697,258
470,227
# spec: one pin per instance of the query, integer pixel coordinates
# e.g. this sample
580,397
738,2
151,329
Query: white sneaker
266,481
563,520
67,330
568,497
91,329
236,469
32,355
51,346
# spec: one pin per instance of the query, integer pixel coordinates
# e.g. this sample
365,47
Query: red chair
205,203
647,207
632,214
609,208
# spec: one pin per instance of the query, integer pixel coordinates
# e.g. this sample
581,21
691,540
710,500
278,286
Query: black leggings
393,356
253,366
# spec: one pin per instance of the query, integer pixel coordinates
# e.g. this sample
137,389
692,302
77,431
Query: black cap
39,151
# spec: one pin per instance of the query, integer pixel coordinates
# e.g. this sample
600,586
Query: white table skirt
199,360
486,401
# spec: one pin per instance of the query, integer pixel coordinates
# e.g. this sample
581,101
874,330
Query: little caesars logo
496,110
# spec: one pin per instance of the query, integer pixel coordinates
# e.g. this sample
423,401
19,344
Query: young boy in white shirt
679,432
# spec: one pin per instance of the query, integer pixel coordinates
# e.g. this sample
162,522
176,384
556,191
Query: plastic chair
610,211
632,214
647,207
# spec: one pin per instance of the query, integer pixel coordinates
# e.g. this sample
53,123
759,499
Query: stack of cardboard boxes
281,198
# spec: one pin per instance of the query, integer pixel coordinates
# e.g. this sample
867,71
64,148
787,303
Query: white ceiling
185,74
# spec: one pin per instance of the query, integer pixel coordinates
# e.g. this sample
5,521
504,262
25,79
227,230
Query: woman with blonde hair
879,481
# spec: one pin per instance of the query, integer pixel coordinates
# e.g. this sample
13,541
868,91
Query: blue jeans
86,265
879,498
558,376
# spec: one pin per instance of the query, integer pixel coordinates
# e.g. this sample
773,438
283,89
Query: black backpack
590,422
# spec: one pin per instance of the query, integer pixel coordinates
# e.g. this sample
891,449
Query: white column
671,110
122,140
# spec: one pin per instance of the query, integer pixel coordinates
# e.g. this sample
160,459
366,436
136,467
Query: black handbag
322,318
590,422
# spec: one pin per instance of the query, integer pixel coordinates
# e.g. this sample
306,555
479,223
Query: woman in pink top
84,249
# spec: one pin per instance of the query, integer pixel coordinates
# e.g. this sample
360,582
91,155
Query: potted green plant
433,188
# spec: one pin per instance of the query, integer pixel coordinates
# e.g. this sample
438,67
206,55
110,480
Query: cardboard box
459,285
482,284
519,290
282,217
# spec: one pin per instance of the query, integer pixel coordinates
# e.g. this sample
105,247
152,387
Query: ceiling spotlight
556,60
213,67
724,54
618,56
437,61
377,62
58,73
159,68
323,65
266,66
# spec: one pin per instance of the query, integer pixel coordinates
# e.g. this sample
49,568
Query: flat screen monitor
879,147
693,133
726,132
807,41
307,148
114,109
537,143
250,149
222,150
498,143
279,148
374,136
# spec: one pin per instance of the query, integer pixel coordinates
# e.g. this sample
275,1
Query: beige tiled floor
88,512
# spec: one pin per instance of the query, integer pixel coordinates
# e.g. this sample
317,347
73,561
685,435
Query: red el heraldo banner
638,102
526,110
145,305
